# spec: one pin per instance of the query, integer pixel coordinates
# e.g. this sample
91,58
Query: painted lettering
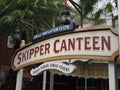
79,39
106,42
41,49
23,56
87,43
47,48
31,52
36,51
19,58
55,46
96,43
63,46
71,44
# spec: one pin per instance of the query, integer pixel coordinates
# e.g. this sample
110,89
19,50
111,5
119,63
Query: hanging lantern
65,16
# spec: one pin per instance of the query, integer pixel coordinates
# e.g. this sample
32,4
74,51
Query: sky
101,4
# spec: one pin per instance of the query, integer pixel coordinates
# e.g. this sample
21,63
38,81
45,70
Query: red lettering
79,43
41,49
23,56
95,43
106,42
31,52
47,48
55,49
36,51
63,45
27,54
71,44
87,43
19,58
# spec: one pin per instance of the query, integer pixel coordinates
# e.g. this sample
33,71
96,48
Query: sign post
113,82
44,80
118,2
19,79
112,71
20,74
51,80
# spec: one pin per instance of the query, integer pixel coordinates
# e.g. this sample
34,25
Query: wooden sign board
99,43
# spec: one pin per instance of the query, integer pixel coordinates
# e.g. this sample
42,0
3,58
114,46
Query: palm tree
37,14
89,10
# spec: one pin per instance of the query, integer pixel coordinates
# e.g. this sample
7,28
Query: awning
89,69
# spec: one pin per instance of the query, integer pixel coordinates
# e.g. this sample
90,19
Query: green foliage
108,7
41,14
87,6
88,9
97,15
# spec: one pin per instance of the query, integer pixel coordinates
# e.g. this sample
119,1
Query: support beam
20,73
19,80
51,80
118,2
113,82
44,80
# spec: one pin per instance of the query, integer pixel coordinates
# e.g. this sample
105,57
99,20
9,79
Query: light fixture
65,16
17,38
17,34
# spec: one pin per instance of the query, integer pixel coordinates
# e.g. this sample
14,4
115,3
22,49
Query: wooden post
19,79
44,79
112,72
51,80
113,82
20,73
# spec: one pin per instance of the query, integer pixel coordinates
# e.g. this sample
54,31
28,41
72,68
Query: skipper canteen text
93,43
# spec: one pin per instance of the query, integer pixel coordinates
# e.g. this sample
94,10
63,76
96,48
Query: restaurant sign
99,43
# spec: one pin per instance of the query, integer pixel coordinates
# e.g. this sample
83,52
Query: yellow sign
86,43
